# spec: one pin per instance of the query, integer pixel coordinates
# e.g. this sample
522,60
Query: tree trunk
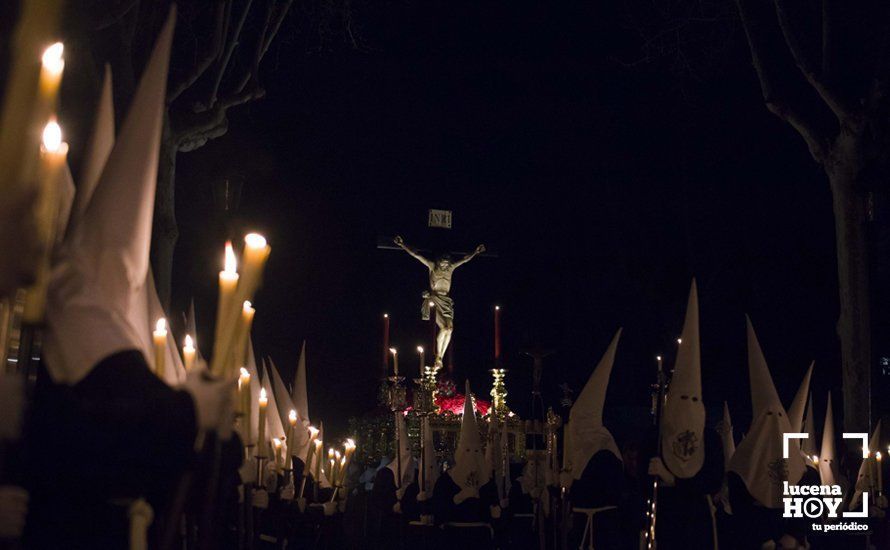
164,230
853,327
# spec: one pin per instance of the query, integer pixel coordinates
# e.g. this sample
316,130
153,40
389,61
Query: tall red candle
385,365
497,333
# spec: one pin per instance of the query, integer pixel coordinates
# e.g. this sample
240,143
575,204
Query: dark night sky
600,186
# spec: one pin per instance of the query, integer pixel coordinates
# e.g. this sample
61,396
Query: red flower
455,404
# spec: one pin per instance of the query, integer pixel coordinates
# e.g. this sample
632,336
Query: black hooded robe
684,515
117,435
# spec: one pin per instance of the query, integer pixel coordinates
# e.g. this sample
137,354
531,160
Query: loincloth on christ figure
444,305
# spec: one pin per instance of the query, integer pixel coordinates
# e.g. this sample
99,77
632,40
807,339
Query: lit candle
385,344
228,284
188,353
319,445
421,354
245,321
276,443
244,386
335,476
51,67
261,431
313,433
53,158
341,469
256,252
291,437
37,25
348,450
497,334
159,336
880,473
395,360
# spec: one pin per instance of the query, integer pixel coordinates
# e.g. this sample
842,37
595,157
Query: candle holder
396,394
424,394
499,408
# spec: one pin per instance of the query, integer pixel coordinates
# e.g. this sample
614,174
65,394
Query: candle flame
277,443
815,458
52,58
255,240
161,325
263,394
497,308
52,136
247,307
386,315
679,340
350,443
231,263
292,416
419,349
189,343
432,304
658,358
313,432
393,351
245,374
330,452
318,445
337,455
878,455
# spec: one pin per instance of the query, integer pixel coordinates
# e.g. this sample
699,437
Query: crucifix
440,270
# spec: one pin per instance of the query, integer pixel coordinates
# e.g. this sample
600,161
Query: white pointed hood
285,406
98,277
758,458
808,445
795,411
274,427
726,436
587,432
255,385
469,471
683,418
863,479
407,461
66,196
299,397
191,328
174,370
322,456
828,466
99,148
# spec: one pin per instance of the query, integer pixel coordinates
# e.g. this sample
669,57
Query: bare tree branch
817,144
210,56
832,99
282,13
227,56
827,40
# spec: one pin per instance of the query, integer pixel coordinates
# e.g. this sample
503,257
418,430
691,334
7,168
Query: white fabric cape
864,481
683,418
104,264
469,471
407,461
587,433
758,457
828,467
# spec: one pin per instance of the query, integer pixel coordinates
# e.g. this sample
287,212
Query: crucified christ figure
440,284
